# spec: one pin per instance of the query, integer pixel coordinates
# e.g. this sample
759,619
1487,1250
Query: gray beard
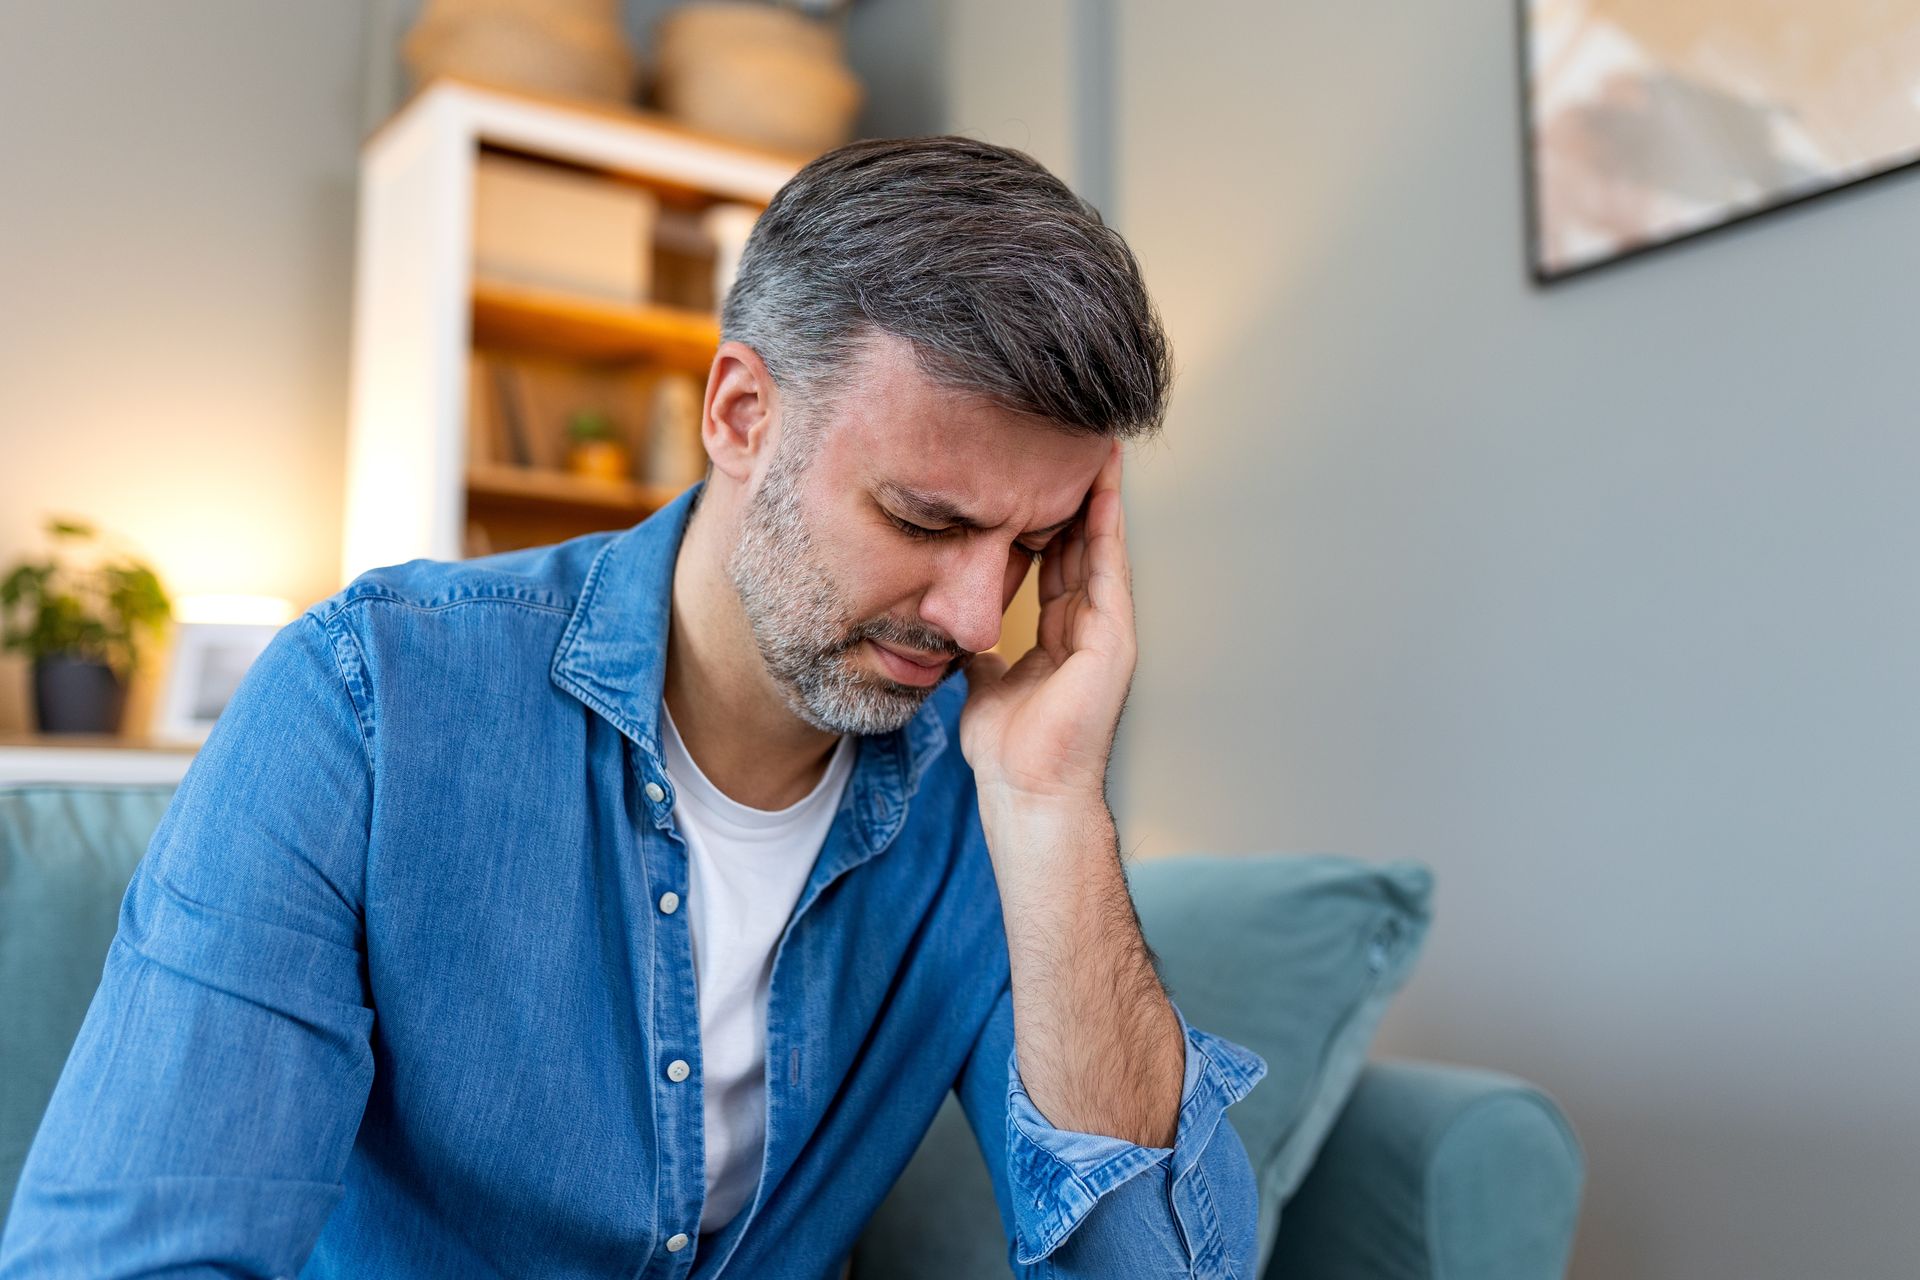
803,625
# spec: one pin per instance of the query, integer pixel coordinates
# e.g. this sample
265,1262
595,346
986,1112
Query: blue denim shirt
393,994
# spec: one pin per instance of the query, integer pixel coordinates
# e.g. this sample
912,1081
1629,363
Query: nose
967,597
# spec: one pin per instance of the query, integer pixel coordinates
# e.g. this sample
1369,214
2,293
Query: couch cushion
67,852
1294,957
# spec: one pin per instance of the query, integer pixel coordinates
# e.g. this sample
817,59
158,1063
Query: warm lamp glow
271,611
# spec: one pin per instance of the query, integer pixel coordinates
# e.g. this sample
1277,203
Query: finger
1109,477
1109,579
1073,557
1051,635
1100,512
1108,576
1104,513
1052,579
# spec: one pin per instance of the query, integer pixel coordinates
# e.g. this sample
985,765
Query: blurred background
1597,597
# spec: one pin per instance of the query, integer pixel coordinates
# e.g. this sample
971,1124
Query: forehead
893,424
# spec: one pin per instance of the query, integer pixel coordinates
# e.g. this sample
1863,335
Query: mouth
910,668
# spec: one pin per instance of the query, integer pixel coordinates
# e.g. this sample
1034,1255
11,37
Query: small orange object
600,460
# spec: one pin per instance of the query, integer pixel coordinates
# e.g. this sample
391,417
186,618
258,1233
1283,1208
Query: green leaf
590,424
25,580
93,611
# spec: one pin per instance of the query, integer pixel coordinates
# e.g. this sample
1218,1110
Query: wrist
1013,817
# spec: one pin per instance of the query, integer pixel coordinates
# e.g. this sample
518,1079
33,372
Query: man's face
857,615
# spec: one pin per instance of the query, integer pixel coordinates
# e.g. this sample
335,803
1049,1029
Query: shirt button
655,792
669,902
677,1242
677,1070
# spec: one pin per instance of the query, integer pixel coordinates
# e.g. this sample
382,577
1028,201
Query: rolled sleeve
1088,1203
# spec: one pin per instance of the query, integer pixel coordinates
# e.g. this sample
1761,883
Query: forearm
1100,1047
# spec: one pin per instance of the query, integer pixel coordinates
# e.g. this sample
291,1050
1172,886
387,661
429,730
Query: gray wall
1602,600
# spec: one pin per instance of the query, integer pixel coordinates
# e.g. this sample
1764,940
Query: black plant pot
77,695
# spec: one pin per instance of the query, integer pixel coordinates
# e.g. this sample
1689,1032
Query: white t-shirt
747,868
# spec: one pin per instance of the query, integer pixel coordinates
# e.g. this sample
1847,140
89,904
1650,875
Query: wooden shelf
512,507
538,320
559,488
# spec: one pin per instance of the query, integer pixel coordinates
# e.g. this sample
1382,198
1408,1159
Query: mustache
910,635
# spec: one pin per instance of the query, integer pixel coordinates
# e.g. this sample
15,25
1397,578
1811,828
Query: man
629,906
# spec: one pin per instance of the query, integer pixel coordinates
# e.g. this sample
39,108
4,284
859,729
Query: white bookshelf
415,301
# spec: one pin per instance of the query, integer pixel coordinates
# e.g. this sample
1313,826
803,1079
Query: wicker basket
570,47
758,73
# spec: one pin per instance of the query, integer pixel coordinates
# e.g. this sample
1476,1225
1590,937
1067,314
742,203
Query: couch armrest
1436,1173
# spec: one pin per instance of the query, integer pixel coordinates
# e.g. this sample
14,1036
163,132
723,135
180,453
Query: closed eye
913,530
922,532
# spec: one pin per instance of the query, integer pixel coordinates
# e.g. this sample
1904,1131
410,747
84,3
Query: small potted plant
595,451
79,615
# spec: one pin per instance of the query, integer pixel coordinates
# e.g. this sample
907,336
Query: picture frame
209,661
1648,124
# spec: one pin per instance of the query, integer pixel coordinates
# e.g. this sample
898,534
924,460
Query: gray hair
1007,284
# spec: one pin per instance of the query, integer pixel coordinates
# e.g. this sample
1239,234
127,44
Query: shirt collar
613,654
613,657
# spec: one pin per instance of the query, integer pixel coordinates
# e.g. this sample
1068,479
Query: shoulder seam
371,595
361,714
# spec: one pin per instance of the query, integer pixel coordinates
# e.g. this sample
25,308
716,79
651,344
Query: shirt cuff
1056,1176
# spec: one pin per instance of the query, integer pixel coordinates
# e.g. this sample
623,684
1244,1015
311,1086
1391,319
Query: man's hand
1042,731
1099,1045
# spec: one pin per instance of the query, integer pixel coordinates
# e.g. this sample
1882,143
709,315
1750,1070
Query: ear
742,410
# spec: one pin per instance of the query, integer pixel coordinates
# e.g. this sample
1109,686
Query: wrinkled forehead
892,424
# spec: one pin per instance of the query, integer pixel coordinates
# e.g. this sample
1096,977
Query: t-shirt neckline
694,785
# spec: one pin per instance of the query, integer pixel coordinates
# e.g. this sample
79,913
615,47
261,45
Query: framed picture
209,658
1649,121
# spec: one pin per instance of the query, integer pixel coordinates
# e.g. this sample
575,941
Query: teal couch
1368,1170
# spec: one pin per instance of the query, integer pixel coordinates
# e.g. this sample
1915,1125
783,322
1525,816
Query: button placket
665,858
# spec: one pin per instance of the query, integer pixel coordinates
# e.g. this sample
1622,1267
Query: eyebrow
927,508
